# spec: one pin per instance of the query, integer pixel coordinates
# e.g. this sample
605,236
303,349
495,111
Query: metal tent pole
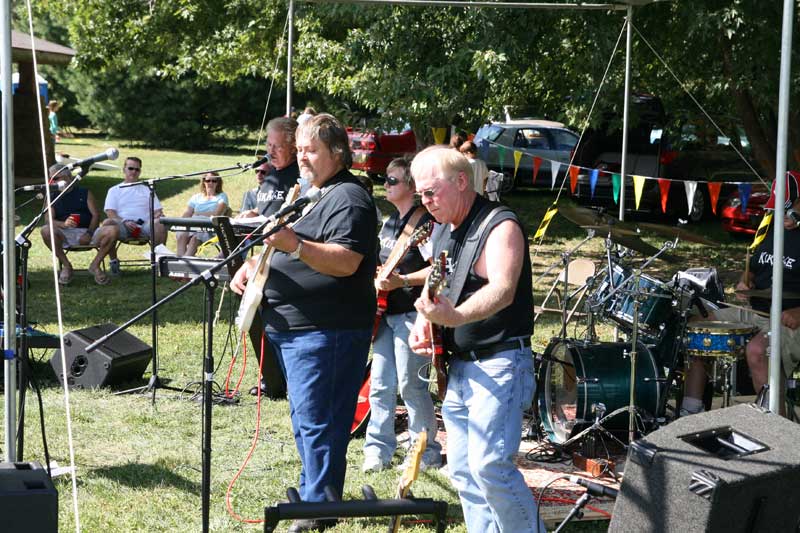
624,163
289,57
780,192
9,251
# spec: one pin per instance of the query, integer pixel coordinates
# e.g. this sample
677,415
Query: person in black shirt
75,217
283,170
393,363
320,306
487,323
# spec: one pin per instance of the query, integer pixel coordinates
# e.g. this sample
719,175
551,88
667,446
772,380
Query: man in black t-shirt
320,305
488,323
282,169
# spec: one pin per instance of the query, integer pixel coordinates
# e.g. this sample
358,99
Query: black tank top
75,201
515,320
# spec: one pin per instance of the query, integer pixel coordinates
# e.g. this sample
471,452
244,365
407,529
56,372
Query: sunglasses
133,169
211,180
391,180
259,172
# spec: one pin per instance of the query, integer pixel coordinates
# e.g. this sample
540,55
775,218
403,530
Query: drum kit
623,388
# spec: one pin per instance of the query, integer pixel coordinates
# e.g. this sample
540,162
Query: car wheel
509,183
700,206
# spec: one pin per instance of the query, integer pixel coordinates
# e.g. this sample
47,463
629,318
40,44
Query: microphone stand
576,511
154,382
207,277
23,244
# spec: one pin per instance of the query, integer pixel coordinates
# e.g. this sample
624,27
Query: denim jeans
395,366
483,416
324,370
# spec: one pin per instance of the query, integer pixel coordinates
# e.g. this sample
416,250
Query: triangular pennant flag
713,194
762,230
573,177
745,189
663,187
638,185
691,189
593,180
537,162
517,157
554,166
483,148
501,156
615,183
548,216
439,134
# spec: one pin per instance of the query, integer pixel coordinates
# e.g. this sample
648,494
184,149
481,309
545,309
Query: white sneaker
373,464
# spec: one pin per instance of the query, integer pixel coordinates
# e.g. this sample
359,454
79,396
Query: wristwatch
405,280
296,253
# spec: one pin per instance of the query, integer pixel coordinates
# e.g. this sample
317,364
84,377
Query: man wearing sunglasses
250,198
128,212
486,316
282,170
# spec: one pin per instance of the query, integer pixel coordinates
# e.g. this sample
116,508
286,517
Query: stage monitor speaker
28,499
120,359
731,470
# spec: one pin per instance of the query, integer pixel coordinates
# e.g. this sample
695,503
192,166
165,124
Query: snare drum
576,376
717,339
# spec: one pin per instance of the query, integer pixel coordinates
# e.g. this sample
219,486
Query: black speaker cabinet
120,359
727,470
28,499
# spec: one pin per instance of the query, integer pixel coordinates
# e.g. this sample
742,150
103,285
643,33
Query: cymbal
672,232
767,293
604,229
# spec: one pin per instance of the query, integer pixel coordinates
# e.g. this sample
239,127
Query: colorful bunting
762,230
439,135
501,156
638,186
713,194
663,187
593,180
554,166
548,216
537,162
745,189
517,157
573,177
615,184
483,148
691,189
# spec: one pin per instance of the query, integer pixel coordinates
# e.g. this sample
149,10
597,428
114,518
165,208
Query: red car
373,151
734,220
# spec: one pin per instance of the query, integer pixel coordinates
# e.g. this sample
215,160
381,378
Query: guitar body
383,305
434,285
254,290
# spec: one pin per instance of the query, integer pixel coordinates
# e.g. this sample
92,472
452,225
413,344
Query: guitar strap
407,231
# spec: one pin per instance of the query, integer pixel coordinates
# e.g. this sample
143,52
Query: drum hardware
744,308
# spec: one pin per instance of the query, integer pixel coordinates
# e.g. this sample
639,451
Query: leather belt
483,353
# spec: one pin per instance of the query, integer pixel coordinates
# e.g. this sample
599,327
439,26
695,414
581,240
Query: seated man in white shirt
128,212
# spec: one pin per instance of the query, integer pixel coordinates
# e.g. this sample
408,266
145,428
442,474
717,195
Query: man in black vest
486,314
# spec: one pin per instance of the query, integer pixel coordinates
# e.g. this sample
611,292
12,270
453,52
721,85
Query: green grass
139,463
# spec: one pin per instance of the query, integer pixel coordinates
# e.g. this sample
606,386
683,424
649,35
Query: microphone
312,196
111,153
265,159
595,489
57,186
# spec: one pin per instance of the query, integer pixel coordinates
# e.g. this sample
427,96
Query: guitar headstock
415,458
421,234
437,279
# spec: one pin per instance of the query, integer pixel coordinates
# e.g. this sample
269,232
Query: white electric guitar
254,290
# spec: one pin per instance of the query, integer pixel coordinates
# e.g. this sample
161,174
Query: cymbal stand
565,260
634,340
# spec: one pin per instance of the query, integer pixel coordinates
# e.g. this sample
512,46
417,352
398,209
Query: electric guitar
435,283
409,474
420,235
254,290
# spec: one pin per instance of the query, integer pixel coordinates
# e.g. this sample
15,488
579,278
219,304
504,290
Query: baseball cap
54,170
792,191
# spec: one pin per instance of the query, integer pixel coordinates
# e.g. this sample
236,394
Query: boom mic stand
154,382
206,277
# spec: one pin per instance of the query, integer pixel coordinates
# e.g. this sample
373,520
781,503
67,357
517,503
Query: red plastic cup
136,231
75,217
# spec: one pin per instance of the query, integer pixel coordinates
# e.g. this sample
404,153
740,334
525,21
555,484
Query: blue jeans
483,415
324,371
395,365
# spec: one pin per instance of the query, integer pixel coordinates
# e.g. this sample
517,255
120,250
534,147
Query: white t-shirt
131,203
479,173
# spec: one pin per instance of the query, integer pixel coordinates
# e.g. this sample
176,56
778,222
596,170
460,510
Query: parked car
551,141
734,220
679,149
374,150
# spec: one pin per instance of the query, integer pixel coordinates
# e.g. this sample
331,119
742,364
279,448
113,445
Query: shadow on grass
144,476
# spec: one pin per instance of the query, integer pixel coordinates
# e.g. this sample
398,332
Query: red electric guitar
437,280
420,235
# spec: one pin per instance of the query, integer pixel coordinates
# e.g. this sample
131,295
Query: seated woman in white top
210,201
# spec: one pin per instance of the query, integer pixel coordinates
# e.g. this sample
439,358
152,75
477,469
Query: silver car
551,141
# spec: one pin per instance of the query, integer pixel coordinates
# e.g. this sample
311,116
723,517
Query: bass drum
575,376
